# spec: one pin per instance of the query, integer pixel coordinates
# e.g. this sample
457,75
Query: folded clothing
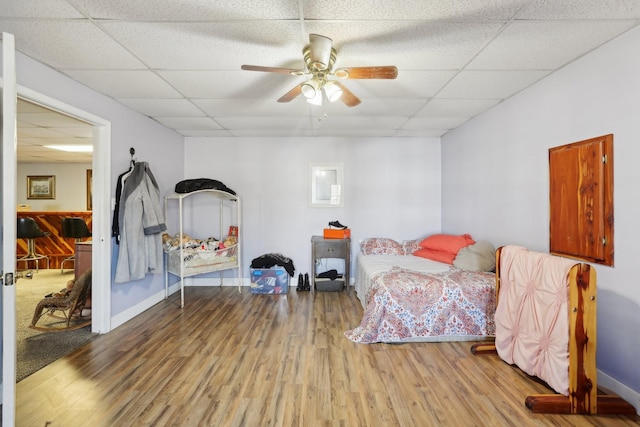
329,274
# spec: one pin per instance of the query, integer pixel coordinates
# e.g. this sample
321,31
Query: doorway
100,136
58,148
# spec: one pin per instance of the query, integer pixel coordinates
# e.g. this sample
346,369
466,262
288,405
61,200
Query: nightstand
331,248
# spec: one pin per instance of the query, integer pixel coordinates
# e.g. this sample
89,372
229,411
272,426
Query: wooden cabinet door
581,200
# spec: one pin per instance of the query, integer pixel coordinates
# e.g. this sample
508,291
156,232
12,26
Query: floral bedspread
406,305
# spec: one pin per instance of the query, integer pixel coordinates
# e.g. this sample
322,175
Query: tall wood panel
54,245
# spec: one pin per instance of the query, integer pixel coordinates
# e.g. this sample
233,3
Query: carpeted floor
37,349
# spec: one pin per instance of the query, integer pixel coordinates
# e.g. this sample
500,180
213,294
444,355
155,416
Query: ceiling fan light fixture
310,88
333,91
316,100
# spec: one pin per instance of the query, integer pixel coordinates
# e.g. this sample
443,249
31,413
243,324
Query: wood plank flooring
237,359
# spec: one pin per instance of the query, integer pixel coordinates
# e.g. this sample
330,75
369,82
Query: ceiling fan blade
292,94
383,72
273,70
320,47
348,97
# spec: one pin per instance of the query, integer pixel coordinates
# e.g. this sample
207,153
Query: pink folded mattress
532,321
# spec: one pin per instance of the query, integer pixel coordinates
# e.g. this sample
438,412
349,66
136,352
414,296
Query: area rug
37,349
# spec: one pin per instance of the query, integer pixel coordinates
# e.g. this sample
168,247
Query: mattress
413,299
369,265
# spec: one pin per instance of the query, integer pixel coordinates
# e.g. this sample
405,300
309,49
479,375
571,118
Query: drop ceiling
178,62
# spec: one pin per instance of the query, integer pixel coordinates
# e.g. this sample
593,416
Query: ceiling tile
409,45
408,84
85,131
125,84
49,119
193,10
237,84
39,132
282,132
372,107
368,123
456,107
458,10
38,9
69,44
581,9
162,107
210,46
490,84
434,133
252,107
265,123
422,123
193,123
545,45
205,133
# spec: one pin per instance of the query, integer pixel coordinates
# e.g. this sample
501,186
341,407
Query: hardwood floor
237,359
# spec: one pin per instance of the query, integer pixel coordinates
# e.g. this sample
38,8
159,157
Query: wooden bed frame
583,395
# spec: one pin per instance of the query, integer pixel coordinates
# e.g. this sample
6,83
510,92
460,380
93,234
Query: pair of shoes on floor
336,224
303,284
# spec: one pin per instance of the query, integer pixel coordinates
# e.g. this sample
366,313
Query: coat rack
132,152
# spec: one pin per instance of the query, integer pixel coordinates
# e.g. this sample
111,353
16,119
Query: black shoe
300,283
307,285
336,224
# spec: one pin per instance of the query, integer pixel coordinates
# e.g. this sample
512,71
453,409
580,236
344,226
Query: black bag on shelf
190,185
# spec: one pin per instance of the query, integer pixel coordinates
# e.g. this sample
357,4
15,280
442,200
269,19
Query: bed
410,298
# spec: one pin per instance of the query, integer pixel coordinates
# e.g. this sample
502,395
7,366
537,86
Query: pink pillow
381,246
432,254
447,243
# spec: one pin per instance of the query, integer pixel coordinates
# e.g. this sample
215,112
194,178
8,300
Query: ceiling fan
319,57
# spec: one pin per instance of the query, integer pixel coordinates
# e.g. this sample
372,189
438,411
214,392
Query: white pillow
481,256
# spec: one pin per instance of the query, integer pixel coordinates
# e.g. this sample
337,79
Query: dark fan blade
384,72
272,70
348,97
293,93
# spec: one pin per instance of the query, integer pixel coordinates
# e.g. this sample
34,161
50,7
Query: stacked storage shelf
184,261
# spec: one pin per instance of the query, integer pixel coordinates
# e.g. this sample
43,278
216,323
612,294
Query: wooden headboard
560,346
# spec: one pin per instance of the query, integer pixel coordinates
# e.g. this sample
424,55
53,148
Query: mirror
327,186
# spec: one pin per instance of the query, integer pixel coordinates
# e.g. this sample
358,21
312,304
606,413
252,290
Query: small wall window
581,200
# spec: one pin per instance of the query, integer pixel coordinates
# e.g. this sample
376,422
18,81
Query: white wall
495,179
392,188
71,188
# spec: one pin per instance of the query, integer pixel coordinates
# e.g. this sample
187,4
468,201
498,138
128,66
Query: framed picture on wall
41,187
89,189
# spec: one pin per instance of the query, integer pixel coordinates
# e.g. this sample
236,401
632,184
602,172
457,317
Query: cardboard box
333,233
274,280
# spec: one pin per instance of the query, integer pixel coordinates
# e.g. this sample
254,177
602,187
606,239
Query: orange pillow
432,254
447,242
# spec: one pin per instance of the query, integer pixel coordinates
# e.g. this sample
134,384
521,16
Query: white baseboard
616,387
214,281
131,312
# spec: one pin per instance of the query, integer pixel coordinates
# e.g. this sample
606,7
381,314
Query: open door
8,230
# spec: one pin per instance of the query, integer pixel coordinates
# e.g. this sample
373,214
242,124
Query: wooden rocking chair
70,305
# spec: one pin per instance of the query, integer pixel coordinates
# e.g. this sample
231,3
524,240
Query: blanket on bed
405,305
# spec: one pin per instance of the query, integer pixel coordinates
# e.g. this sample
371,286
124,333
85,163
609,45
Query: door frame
8,232
101,225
